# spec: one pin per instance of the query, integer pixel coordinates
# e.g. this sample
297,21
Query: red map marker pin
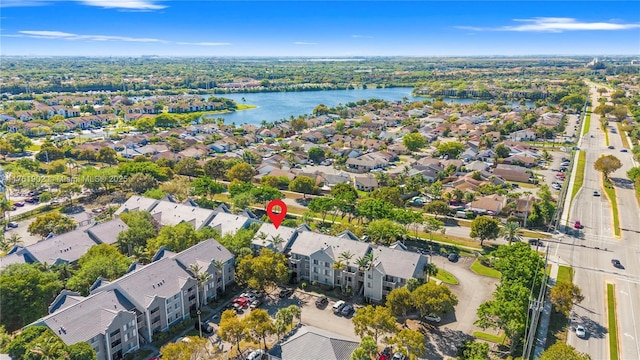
276,218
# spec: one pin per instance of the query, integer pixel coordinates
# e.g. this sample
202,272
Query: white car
581,332
255,355
433,317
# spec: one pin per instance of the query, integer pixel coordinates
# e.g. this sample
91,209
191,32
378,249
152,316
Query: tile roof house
512,173
312,343
491,204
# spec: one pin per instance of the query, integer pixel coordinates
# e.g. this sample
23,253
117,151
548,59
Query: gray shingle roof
67,247
310,343
229,223
285,233
172,214
163,278
203,252
308,243
400,263
82,320
137,203
107,232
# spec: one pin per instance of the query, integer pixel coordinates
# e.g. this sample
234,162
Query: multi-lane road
590,253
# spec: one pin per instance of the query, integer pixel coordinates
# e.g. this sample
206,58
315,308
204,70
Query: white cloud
555,25
362,36
69,36
304,43
141,5
204,43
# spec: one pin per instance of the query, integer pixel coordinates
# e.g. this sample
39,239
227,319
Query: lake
281,105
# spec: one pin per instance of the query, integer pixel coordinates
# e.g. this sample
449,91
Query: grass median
613,326
623,136
579,180
587,123
498,339
611,194
446,277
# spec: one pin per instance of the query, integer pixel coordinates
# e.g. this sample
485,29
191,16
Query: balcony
390,284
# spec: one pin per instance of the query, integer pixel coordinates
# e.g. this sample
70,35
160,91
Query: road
590,252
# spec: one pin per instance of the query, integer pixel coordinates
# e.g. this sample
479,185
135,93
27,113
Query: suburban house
490,204
308,342
131,310
512,173
365,183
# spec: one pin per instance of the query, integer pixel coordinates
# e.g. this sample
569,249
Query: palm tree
430,270
48,349
5,207
277,240
469,197
511,232
219,265
458,194
65,271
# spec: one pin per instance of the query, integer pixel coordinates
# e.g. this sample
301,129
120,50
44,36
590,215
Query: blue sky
318,28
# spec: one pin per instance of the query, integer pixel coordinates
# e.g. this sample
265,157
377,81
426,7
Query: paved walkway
543,325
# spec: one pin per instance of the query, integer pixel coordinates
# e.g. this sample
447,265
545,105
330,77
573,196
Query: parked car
31,200
206,328
19,204
623,150
453,257
347,310
285,293
433,317
255,303
578,225
596,193
12,224
616,263
398,356
581,332
337,307
322,301
611,147
256,355
556,186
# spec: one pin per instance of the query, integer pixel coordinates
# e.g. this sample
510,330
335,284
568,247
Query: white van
338,306
461,214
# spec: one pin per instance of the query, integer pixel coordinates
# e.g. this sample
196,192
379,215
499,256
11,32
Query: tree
385,231
437,207
241,172
232,329
214,168
68,190
410,343
374,322
18,141
511,232
432,225
264,194
316,154
177,238
607,164
620,112
298,124
564,295
372,209
390,194
107,155
140,183
433,298
26,294
561,350
451,148
366,350
267,269
633,173
485,228
322,205
473,350
320,110
6,148
195,348
52,222
260,325
413,141
206,186
303,184
187,167
400,301
141,229
145,124
502,151
102,260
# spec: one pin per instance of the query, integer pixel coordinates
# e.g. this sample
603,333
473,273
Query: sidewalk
543,325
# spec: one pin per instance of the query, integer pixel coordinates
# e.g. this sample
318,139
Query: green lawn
579,180
623,136
587,122
565,273
498,339
480,269
611,194
245,106
613,327
446,277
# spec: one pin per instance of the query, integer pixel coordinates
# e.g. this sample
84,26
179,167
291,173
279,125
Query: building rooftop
107,232
400,263
312,343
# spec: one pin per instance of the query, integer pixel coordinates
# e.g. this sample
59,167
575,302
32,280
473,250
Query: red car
243,302
577,225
